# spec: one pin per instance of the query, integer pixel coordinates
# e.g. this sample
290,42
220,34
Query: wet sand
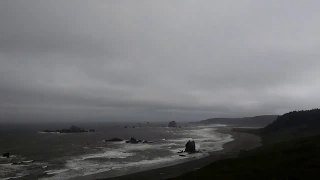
242,141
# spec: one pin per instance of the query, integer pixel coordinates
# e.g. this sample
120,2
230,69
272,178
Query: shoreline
241,141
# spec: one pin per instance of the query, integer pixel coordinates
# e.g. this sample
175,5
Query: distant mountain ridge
258,121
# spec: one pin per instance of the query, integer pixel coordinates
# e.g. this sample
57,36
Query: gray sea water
37,155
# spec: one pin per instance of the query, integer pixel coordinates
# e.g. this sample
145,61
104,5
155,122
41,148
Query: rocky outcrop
72,129
190,147
50,131
181,151
7,155
22,162
136,141
114,140
133,141
172,124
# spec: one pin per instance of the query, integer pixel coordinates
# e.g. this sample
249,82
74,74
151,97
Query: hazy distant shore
241,141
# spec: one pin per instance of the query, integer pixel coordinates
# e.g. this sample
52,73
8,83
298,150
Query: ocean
37,155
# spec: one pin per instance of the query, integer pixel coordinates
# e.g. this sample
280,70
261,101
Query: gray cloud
184,60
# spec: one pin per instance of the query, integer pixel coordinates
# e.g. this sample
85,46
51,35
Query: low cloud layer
133,60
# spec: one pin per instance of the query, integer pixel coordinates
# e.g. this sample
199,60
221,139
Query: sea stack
7,155
114,140
133,141
172,124
72,129
190,147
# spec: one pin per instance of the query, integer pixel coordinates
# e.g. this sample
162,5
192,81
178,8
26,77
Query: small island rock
114,140
172,124
7,155
181,151
190,147
72,129
133,141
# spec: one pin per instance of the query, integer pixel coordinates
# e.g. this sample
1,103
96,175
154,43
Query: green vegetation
291,147
292,125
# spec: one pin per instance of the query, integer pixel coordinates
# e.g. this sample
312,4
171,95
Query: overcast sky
157,60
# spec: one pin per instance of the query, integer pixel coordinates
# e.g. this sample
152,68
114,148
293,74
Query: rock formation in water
7,155
181,151
172,124
72,129
133,141
115,140
190,147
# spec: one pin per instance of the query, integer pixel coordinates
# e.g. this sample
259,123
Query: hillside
296,159
292,125
290,150
257,121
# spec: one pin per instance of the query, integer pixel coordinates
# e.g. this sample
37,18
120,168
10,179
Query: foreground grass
295,159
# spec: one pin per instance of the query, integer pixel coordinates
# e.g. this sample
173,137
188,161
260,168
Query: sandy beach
242,141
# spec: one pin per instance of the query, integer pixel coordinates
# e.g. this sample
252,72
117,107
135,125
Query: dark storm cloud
183,60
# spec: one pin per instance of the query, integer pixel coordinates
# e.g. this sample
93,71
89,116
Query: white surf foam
181,140
139,147
11,156
30,161
156,161
206,140
83,168
83,165
57,171
9,168
213,125
14,177
108,154
75,168
41,132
